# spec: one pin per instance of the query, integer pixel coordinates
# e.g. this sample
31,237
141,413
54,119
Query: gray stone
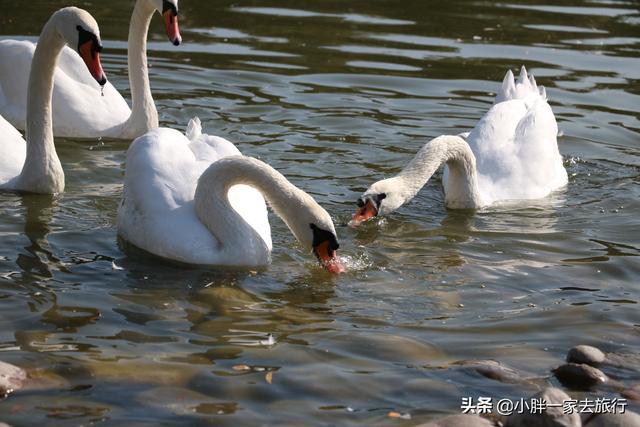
580,376
586,354
631,393
495,371
11,378
628,419
551,417
459,421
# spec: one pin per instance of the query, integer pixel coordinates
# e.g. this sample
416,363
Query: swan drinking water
80,109
197,200
511,154
33,166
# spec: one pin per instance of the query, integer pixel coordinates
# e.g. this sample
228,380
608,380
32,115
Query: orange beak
90,54
366,212
328,258
171,23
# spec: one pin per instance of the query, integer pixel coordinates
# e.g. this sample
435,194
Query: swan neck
144,115
42,171
215,211
462,186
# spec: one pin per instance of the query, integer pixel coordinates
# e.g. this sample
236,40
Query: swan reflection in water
39,262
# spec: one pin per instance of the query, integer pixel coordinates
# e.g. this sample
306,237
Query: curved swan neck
462,187
214,209
42,171
144,115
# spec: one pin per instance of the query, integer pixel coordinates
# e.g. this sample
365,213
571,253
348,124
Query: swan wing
80,107
208,148
247,201
13,150
14,79
492,139
157,213
542,169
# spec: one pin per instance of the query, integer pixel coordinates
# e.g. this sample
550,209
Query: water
335,95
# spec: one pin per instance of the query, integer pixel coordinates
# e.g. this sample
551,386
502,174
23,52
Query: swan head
314,229
382,198
325,244
80,31
169,11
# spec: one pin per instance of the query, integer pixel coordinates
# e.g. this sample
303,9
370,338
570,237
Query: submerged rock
496,371
632,393
11,378
628,419
550,417
459,421
183,401
128,372
586,354
627,361
580,375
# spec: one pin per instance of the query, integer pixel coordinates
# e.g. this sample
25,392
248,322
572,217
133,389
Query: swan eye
381,197
320,236
85,36
167,5
360,202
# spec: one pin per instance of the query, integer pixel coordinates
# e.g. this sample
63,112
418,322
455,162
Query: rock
586,354
632,393
11,378
495,371
459,421
628,419
579,375
41,379
551,417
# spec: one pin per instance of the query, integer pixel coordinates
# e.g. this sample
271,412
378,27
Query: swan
196,199
80,109
33,165
511,154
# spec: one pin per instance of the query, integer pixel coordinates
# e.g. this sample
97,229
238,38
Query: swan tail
532,83
523,78
543,93
524,87
508,88
194,129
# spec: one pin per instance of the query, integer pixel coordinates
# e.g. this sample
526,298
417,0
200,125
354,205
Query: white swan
33,166
80,109
197,200
511,154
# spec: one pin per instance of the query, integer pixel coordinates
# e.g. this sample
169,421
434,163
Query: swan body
515,144
195,199
80,109
511,154
33,165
